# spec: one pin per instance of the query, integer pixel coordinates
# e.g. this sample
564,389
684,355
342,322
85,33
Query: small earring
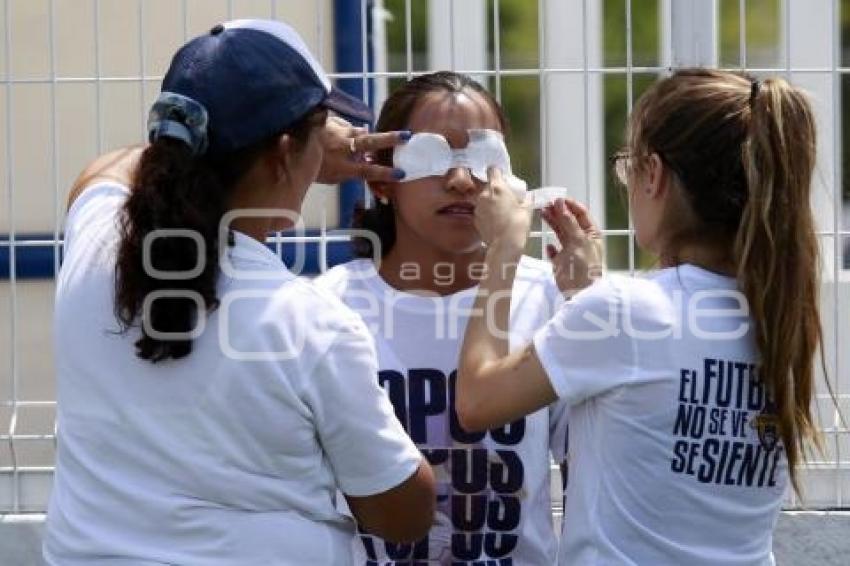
384,200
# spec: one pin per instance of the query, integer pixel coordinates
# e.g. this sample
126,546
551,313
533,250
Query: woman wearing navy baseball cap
210,403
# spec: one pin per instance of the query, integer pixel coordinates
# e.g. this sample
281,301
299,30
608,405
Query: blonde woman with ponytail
690,388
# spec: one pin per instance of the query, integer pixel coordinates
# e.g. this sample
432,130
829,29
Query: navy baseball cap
254,78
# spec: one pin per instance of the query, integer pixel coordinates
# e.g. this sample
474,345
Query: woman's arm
339,163
401,514
495,386
388,483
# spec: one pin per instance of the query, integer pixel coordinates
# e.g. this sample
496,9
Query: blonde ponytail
777,256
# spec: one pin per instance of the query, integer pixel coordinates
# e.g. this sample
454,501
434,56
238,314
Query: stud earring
384,200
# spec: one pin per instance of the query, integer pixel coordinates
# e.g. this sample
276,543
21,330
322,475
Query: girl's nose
461,181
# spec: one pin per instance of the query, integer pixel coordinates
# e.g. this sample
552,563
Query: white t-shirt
493,503
232,455
674,457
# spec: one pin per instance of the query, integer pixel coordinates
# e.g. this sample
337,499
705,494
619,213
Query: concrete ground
812,538
801,539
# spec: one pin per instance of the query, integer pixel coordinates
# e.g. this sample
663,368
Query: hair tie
755,88
179,117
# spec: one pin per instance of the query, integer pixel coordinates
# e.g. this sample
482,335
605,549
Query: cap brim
347,106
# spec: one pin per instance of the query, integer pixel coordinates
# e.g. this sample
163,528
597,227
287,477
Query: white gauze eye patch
427,155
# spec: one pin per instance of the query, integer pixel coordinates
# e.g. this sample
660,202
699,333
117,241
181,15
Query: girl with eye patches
414,283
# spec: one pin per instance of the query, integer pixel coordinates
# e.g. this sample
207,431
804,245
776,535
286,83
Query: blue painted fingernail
405,135
399,174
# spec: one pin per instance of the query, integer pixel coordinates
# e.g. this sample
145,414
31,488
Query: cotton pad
427,154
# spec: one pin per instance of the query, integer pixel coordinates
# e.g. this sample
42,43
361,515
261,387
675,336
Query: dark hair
744,153
395,115
172,189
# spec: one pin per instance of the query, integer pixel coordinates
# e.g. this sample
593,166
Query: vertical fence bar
629,101
456,47
143,107
54,146
452,46
364,47
320,53
184,16
378,53
629,58
691,29
837,266
497,51
408,39
541,59
13,300
365,67
585,63
742,34
323,231
98,96
320,31
812,61
349,26
54,158
785,14
786,36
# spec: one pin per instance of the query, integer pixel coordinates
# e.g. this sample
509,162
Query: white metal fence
79,75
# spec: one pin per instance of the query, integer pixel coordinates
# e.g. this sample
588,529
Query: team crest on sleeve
767,427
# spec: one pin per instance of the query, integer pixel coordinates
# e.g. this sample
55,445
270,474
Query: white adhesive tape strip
545,196
538,198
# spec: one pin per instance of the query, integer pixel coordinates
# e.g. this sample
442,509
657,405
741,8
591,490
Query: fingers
551,251
494,180
582,216
497,187
563,223
564,215
375,173
366,171
340,132
348,153
364,142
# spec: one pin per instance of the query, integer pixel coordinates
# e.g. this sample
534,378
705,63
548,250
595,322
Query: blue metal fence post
348,47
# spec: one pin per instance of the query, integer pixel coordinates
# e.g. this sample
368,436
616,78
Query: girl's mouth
462,209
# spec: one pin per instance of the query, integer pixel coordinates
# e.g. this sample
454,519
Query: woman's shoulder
299,311
337,279
112,169
644,297
95,214
300,294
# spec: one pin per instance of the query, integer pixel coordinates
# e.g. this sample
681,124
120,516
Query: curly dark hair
173,189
